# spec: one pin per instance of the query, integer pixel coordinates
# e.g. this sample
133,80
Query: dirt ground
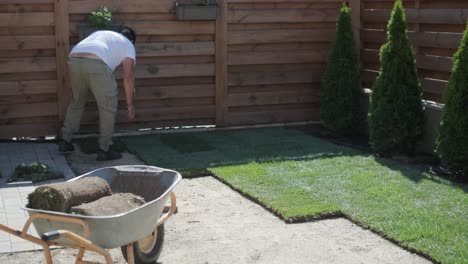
217,225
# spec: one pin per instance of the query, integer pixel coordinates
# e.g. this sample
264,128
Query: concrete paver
14,195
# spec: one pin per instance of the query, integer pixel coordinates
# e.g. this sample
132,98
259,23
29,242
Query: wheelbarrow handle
49,236
83,244
171,211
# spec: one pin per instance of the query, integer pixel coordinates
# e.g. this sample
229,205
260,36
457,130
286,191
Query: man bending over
91,67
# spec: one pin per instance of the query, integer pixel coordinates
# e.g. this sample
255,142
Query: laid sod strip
225,148
186,143
301,177
91,146
406,205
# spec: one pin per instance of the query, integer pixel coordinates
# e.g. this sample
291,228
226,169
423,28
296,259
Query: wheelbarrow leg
79,257
47,254
83,243
130,256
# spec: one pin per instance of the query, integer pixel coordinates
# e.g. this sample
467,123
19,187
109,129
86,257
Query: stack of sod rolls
90,196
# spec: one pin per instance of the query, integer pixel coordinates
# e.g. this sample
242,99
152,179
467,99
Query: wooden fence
28,68
435,29
261,61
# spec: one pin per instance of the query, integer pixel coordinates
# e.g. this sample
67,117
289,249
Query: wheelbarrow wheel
148,249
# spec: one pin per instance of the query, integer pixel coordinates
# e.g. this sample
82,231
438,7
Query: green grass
302,177
186,143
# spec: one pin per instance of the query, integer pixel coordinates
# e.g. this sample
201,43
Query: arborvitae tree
396,113
340,92
452,143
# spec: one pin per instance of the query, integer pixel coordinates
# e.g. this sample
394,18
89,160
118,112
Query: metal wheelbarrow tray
140,232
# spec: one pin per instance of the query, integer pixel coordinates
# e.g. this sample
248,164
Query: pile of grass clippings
34,172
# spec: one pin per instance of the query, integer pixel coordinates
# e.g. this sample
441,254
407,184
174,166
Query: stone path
13,195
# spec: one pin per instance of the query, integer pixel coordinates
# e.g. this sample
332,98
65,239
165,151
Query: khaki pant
95,76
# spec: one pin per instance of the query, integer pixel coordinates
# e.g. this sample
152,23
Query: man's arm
129,85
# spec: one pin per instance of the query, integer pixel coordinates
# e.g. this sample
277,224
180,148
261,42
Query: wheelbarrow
139,232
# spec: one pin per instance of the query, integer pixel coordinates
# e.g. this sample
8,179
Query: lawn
300,177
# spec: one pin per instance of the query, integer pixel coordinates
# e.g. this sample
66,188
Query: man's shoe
65,146
108,155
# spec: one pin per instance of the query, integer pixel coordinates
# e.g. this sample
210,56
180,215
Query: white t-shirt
110,46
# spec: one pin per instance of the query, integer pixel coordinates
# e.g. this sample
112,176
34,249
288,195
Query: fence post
355,6
417,28
221,72
62,46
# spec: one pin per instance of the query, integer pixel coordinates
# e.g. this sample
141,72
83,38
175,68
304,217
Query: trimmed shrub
340,91
396,113
452,143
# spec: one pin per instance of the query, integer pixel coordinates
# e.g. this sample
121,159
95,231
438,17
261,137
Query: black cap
128,32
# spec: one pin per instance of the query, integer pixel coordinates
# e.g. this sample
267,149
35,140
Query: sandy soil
217,225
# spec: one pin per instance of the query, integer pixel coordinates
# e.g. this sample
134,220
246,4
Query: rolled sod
62,196
109,205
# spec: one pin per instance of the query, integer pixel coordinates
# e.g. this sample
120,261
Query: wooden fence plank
124,126
31,129
26,19
300,87
270,98
282,15
170,70
173,91
122,6
435,86
425,39
435,63
28,87
158,114
280,36
175,49
21,2
277,57
431,16
428,62
268,117
259,78
277,68
13,43
28,110
221,74
62,48
172,27
280,1
39,64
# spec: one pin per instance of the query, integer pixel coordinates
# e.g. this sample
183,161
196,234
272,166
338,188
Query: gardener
91,65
